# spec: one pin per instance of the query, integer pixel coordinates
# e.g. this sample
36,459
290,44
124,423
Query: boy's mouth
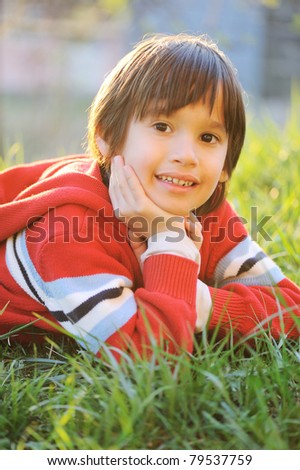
174,180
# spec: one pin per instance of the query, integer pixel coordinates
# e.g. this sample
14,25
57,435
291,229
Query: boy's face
179,159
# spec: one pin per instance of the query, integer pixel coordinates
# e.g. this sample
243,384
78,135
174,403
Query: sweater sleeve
248,290
91,290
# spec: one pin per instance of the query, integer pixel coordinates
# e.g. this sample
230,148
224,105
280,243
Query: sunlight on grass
14,155
267,178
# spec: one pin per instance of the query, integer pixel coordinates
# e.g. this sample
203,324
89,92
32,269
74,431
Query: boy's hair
160,75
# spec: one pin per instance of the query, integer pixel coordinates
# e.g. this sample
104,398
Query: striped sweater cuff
162,242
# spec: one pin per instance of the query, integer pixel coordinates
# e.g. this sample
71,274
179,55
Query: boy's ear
224,176
102,146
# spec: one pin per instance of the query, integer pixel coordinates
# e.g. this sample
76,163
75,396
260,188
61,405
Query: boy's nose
183,152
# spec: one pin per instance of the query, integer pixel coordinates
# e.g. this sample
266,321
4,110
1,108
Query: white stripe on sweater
65,296
261,270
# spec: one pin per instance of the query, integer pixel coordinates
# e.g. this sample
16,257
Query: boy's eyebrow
218,126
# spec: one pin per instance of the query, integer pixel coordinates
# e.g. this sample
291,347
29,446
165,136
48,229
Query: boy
109,246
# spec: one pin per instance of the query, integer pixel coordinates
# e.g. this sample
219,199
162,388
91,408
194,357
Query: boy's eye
162,127
209,138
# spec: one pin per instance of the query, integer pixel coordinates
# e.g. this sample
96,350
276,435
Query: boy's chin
175,211
181,213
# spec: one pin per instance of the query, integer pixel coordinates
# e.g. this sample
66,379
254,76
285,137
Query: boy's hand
130,201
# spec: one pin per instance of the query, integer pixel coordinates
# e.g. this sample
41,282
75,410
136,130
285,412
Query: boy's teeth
176,181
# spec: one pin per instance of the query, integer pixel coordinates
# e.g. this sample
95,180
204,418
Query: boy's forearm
245,310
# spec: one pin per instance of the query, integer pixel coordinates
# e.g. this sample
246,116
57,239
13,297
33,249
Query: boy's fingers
136,238
118,180
117,187
113,194
122,190
194,229
134,184
125,181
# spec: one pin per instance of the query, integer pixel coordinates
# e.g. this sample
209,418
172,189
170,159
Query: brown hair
162,74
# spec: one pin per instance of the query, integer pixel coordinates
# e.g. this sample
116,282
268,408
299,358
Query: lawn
224,396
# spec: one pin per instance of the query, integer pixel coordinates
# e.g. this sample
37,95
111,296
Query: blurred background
54,55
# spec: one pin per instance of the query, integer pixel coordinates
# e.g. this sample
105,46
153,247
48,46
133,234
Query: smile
179,182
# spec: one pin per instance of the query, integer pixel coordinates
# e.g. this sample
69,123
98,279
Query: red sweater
65,257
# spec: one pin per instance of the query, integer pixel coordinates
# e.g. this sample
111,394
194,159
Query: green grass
223,396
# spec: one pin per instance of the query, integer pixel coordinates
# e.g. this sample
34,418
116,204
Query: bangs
176,76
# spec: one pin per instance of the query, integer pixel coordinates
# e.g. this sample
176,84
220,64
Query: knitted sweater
66,265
